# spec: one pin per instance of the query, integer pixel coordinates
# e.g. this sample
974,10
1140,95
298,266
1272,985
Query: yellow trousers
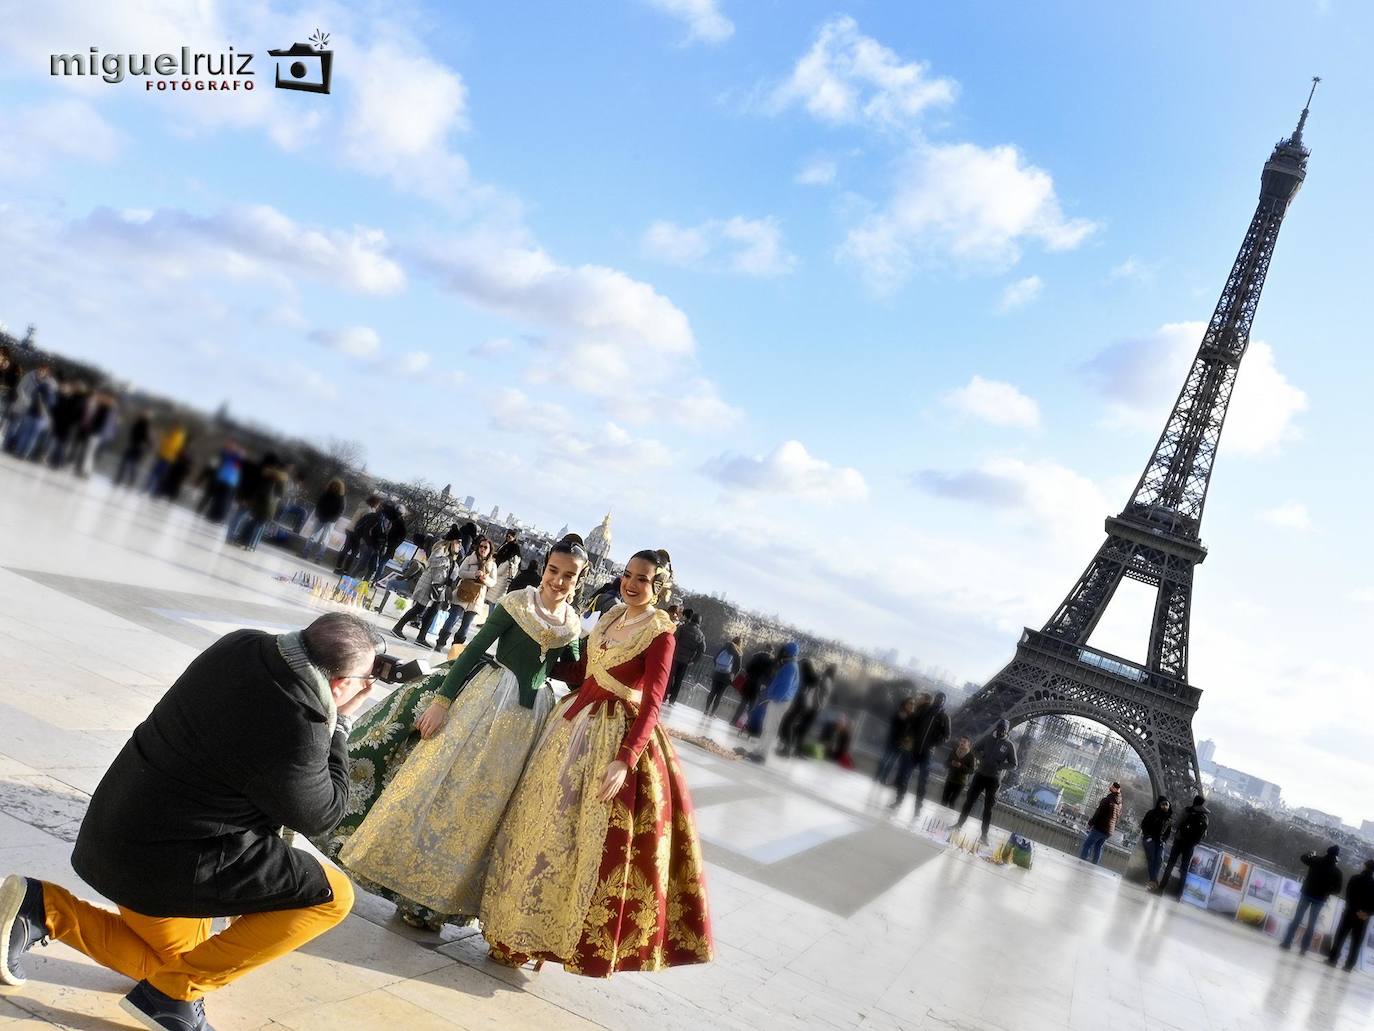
178,955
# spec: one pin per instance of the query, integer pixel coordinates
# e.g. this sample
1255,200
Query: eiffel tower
1154,541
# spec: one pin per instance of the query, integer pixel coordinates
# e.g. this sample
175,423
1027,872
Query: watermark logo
308,65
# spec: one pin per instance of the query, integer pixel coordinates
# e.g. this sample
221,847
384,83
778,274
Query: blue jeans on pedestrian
1306,904
1092,846
1154,858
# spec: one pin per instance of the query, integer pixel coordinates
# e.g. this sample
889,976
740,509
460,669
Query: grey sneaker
161,1012
23,924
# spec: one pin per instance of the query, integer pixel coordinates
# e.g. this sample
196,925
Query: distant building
1206,751
1367,830
469,502
1244,785
1318,818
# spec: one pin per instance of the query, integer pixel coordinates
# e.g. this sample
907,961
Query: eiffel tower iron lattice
1155,540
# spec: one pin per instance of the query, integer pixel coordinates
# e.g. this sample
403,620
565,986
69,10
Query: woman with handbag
432,588
468,597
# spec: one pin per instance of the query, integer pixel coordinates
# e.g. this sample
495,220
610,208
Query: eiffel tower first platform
1154,540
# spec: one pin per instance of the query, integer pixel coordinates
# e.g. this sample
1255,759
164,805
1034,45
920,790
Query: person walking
185,825
353,544
169,449
1192,828
1359,903
781,689
262,505
1322,881
35,401
1102,825
929,730
691,646
958,769
432,588
507,559
757,672
372,530
898,731
1155,828
810,702
395,534
727,664
475,573
996,755
96,429
328,507
135,447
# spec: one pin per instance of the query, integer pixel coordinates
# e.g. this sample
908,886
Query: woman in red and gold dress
597,864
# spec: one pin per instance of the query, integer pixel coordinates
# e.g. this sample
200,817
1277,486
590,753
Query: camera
307,69
388,669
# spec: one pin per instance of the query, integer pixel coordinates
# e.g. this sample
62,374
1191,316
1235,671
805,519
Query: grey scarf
292,649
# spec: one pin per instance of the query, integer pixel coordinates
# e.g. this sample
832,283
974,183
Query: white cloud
355,341
847,77
414,363
1133,269
67,127
1044,495
405,105
1141,376
696,404
244,241
1020,293
744,246
1290,516
995,403
816,172
293,378
561,438
703,18
492,347
590,302
977,206
789,471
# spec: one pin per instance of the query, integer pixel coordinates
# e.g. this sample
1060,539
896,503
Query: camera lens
298,69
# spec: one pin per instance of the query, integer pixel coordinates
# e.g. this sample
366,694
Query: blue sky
868,312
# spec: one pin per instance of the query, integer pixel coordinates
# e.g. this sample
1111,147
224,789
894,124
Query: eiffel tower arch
1154,540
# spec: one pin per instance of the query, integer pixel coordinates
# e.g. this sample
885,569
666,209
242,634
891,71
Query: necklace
622,624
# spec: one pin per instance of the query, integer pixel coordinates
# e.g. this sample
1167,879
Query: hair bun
572,538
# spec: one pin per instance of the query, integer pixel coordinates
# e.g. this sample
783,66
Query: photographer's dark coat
185,822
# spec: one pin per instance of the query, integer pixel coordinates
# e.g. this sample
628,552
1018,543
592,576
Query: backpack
1022,851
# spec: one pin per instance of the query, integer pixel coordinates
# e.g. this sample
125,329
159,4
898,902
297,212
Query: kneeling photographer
186,824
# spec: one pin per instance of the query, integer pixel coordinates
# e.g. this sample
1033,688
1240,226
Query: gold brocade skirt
429,837
599,887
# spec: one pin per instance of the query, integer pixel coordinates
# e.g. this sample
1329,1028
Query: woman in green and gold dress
425,812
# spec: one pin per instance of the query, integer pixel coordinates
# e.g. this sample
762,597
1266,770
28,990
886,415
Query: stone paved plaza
827,913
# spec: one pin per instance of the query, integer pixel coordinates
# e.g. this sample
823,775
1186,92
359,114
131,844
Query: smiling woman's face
637,583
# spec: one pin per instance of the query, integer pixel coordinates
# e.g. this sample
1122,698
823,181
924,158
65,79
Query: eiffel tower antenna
1154,540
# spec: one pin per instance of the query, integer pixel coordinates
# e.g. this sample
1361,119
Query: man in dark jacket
1322,881
757,672
186,824
898,732
929,730
996,755
1359,903
1102,826
691,646
391,540
1155,828
1191,830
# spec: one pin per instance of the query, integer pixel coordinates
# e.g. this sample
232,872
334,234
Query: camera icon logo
307,67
